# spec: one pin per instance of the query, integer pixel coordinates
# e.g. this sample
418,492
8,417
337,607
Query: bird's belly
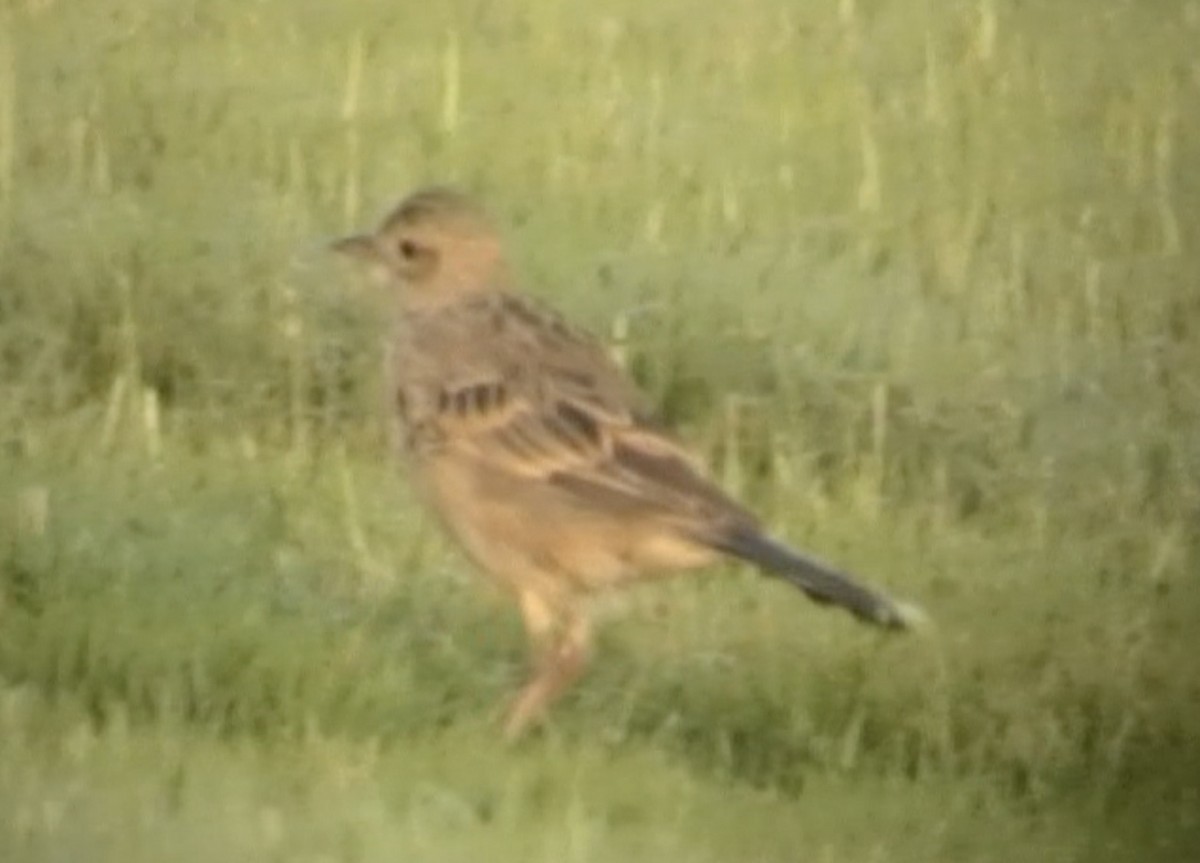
531,535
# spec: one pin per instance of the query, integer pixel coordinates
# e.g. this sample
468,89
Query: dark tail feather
820,581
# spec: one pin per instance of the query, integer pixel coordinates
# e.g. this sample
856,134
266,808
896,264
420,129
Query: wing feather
538,399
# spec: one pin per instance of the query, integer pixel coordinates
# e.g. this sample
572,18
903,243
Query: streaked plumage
539,453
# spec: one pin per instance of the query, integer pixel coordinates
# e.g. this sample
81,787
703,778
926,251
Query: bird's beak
361,247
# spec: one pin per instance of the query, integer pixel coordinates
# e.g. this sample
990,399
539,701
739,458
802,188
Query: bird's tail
822,582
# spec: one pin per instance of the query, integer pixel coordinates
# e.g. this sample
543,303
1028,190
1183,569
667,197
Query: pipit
538,452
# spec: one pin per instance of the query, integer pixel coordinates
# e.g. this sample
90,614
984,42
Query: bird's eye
408,249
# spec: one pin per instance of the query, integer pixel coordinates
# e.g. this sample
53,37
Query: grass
917,279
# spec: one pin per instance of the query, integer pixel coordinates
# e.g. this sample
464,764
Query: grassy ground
919,280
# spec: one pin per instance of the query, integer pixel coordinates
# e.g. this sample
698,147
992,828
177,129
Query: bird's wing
554,407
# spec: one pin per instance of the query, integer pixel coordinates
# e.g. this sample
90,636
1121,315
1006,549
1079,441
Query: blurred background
921,280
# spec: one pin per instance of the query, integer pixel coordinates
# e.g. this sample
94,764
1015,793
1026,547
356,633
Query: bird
539,454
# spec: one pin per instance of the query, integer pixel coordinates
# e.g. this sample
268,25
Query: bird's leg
561,643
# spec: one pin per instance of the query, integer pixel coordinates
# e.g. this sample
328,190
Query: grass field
920,280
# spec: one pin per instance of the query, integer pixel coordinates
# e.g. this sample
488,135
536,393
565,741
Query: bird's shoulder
524,346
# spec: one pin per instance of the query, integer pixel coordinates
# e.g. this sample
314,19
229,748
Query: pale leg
561,641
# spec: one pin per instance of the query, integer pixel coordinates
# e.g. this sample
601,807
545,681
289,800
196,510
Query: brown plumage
537,451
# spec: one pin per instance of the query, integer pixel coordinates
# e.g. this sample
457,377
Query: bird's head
436,245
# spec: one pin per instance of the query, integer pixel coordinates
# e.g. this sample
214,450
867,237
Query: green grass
919,281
